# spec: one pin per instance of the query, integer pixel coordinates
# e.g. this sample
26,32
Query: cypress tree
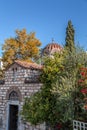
70,44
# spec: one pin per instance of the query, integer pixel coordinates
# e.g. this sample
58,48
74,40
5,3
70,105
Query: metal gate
78,125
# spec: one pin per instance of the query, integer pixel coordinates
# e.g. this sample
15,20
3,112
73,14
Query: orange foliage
23,46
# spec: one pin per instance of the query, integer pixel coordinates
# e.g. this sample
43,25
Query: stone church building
21,81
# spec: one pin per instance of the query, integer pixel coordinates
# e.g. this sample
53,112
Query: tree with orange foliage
23,46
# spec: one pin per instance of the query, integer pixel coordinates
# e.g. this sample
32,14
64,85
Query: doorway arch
13,97
14,91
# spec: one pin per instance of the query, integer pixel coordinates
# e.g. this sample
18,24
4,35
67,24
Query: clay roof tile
28,65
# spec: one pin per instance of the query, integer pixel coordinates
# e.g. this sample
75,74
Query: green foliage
57,101
45,100
52,67
81,100
70,44
23,46
31,109
40,108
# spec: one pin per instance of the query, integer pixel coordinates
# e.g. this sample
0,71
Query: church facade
21,81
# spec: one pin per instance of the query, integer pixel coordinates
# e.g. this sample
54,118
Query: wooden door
13,117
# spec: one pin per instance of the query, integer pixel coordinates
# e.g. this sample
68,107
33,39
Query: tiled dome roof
51,48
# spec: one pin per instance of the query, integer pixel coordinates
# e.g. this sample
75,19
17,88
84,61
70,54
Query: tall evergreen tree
70,44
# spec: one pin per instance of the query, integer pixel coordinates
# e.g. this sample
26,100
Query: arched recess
13,91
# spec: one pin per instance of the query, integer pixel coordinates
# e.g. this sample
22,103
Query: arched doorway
13,112
13,106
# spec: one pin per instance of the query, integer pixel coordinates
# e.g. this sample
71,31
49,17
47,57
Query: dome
52,48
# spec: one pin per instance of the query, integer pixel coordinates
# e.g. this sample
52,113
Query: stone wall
15,81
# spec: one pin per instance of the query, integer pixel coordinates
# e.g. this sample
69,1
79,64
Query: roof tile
28,64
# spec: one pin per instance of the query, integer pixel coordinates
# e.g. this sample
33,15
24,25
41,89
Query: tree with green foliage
23,46
69,40
42,105
69,100
56,102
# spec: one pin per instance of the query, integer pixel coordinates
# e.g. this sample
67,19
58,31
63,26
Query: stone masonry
21,81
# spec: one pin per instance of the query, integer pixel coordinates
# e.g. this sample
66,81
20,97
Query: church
21,81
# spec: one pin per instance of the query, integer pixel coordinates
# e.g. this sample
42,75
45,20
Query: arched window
13,96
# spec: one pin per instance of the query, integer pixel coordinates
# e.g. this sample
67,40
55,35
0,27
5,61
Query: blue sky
48,18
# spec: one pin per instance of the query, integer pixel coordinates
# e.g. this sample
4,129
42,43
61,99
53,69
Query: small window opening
14,73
